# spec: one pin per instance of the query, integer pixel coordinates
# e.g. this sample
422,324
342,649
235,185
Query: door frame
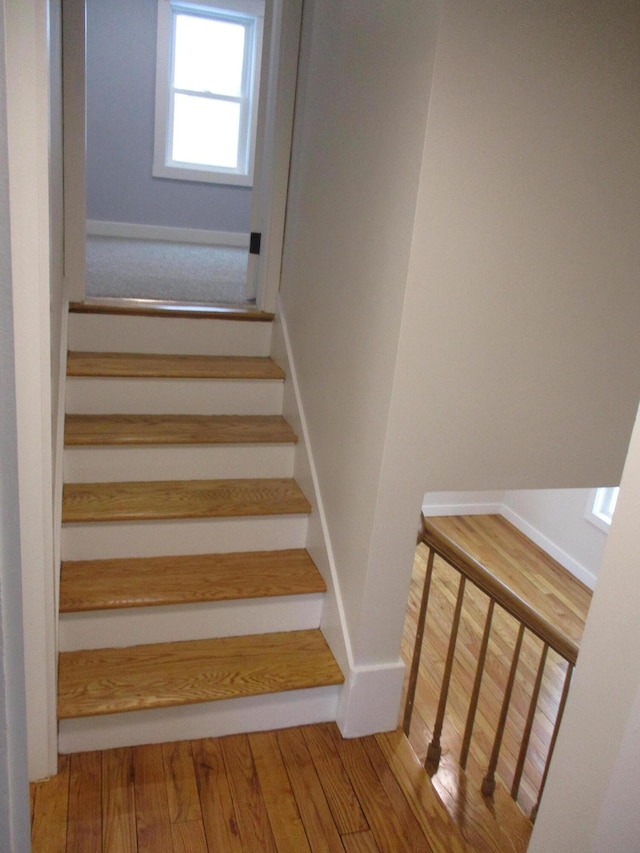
273,147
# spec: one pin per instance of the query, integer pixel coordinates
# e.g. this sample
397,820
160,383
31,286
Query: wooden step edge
184,499
91,585
116,680
127,365
152,308
83,430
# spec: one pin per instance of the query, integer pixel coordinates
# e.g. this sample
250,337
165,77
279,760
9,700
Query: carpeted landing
177,272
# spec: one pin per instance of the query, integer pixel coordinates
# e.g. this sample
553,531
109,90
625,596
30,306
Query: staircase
189,606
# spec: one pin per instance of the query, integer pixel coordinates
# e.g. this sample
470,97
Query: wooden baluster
526,734
435,749
417,647
473,703
489,781
554,736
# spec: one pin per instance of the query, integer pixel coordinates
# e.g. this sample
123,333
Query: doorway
138,236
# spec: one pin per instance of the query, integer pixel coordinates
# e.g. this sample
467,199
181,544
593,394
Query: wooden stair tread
155,581
145,365
134,308
176,429
108,681
164,499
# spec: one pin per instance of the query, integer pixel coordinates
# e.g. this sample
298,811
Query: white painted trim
335,630
209,719
273,150
28,143
135,231
179,622
369,701
566,560
164,166
58,450
434,509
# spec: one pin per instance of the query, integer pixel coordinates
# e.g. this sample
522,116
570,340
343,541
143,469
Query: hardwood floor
290,791
546,586
307,789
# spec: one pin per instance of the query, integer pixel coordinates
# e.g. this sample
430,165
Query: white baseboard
333,623
370,701
434,509
99,228
566,560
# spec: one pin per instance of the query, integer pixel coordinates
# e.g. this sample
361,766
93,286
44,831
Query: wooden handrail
473,572
498,591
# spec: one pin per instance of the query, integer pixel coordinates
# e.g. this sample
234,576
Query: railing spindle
554,737
499,593
489,781
434,751
526,734
475,694
417,648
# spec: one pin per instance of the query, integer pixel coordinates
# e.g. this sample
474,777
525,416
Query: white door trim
275,131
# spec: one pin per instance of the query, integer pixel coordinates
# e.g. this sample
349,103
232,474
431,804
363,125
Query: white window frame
602,503
251,14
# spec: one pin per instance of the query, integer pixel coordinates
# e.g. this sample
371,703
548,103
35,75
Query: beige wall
523,300
360,120
498,350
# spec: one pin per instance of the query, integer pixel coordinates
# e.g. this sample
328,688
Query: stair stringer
369,699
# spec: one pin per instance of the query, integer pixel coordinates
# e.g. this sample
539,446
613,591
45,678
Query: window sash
246,13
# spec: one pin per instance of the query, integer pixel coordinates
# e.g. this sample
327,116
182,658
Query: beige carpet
152,269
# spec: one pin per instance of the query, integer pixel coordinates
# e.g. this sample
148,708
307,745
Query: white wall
14,795
555,520
590,802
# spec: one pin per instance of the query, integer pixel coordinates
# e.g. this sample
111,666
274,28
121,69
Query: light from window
207,81
602,506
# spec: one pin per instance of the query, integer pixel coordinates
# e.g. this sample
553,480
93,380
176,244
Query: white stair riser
178,335
141,625
190,722
176,536
175,462
106,395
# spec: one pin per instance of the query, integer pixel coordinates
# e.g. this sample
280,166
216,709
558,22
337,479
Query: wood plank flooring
92,430
135,678
287,791
163,499
558,596
139,365
155,581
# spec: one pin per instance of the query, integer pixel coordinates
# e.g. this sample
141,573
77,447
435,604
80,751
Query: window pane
205,131
209,55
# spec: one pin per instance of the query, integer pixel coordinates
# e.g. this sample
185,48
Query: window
602,505
207,83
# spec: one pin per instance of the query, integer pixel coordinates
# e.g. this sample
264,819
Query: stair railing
471,571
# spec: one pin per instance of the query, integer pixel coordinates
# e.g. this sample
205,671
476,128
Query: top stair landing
166,328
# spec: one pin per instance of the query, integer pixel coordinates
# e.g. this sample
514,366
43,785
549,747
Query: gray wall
121,57
14,794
